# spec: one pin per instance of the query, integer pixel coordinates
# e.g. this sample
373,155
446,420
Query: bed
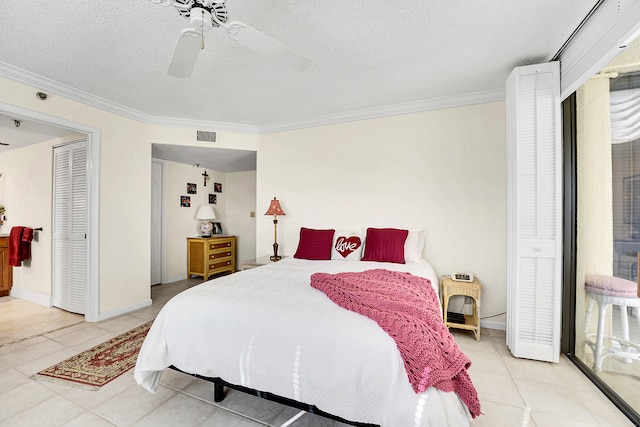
267,329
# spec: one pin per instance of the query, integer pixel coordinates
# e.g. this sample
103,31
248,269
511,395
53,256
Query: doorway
92,313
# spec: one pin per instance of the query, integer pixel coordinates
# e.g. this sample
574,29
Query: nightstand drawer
220,245
219,255
220,264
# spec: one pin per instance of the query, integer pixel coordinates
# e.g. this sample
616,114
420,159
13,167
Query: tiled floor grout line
41,334
214,404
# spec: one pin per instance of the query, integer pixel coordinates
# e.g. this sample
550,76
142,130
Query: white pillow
414,245
347,246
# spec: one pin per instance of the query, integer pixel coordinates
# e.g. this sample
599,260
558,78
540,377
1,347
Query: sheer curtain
625,115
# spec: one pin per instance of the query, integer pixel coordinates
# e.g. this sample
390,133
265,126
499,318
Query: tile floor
513,392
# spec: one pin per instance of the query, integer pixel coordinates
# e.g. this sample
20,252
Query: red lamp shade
274,208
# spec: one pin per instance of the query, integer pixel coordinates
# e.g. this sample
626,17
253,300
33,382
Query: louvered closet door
534,246
70,223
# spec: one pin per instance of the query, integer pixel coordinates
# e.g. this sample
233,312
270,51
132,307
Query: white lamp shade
205,212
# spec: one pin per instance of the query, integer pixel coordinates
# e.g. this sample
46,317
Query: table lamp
275,210
205,213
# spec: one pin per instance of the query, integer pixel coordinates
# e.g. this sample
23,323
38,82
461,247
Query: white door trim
93,239
163,219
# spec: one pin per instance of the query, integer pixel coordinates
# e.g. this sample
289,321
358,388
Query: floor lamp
275,210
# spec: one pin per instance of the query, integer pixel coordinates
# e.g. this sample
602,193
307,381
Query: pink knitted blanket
407,308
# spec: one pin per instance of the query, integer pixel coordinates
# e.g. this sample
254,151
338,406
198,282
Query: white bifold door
70,226
534,202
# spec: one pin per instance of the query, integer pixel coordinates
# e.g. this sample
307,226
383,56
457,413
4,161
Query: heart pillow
347,246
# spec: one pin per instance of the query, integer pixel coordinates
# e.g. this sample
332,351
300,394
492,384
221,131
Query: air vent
206,136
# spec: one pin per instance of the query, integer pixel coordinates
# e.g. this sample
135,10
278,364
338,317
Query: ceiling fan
207,14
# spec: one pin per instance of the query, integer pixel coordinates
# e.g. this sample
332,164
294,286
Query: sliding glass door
602,229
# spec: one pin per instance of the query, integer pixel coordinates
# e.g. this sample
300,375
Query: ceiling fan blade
262,43
185,53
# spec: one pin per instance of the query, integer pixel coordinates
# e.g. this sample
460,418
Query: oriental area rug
101,364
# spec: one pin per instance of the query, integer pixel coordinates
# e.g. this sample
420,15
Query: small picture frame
185,201
213,199
217,228
217,187
192,188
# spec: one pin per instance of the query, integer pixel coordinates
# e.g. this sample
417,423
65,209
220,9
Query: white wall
442,171
187,136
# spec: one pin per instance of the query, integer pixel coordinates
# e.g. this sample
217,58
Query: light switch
252,214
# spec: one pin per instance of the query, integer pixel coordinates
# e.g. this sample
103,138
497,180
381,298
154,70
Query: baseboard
493,324
124,310
32,296
175,279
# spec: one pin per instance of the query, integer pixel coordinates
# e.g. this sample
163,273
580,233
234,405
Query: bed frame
219,394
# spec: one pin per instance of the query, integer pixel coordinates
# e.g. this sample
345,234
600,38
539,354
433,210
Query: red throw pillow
314,244
385,245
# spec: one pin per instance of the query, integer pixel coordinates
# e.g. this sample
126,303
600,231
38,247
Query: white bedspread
268,329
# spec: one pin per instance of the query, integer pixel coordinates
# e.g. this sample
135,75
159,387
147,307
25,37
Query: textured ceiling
365,55
28,132
218,159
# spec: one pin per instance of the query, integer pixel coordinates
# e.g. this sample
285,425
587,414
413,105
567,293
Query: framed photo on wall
185,201
212,199
192,188
217,187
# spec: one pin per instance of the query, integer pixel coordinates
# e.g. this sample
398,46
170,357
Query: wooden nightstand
207,256
257,262
449,288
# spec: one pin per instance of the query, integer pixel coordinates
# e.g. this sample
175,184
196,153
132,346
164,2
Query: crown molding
45,84
48,85
202,124
389,110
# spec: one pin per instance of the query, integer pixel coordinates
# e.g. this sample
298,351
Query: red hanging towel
15,246
25,244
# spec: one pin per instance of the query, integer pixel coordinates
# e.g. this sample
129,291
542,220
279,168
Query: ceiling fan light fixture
201,19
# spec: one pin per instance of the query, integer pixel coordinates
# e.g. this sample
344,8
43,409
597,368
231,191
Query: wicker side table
449,288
